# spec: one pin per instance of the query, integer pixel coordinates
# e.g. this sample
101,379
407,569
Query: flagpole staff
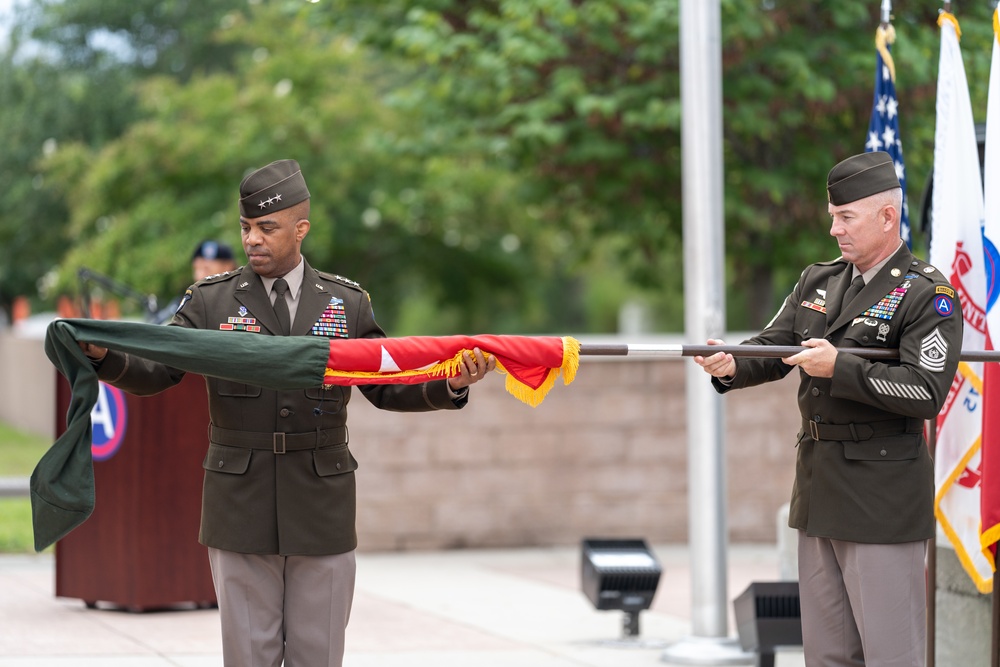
886,12
704,317
758,351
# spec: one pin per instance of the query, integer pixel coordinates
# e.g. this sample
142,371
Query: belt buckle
279,443
814,430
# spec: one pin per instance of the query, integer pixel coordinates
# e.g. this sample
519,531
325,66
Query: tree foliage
511,165
585,95
413,228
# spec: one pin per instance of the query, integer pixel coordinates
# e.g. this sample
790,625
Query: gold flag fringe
948,16
451,368
534,397
885,36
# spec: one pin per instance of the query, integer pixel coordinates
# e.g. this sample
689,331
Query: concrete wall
606,456
28,385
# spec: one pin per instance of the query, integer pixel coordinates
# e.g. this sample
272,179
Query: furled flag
957,250
62,484
883,128
990,480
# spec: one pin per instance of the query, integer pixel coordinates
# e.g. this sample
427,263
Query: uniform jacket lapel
313,300
835,290
251,293
889,277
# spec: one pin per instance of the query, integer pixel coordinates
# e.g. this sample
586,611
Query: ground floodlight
767,616
620,574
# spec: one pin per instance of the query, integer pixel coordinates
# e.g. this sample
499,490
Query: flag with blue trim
883,127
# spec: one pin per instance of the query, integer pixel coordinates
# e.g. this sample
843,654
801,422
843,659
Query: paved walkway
468,608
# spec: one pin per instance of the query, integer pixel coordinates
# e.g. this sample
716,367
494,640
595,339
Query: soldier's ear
301,229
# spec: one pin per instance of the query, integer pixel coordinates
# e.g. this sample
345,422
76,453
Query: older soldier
278,505
864,482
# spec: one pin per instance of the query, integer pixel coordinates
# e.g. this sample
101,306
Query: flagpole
704,318
995,644
757,351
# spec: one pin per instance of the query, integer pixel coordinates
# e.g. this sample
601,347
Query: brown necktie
281,306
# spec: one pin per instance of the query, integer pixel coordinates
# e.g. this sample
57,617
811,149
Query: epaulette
341,279
220,277
831,262
929,271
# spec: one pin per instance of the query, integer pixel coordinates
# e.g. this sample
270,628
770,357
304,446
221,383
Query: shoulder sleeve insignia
184,300
943,305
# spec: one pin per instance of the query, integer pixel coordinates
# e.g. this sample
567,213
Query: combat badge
933,351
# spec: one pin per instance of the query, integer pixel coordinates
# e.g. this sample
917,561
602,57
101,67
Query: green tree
585,96
67,75
442,241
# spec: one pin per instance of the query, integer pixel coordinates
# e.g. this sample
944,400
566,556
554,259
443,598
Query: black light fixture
767,616
620,574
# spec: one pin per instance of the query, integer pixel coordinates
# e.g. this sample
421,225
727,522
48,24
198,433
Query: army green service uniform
863,498
863,472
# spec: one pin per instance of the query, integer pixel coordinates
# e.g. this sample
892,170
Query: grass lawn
19,452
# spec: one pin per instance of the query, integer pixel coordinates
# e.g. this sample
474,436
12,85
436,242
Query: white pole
704,317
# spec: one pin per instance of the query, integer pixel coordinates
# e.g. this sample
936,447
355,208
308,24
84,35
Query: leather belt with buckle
277,442
865,431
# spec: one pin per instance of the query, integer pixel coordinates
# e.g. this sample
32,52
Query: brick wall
606,456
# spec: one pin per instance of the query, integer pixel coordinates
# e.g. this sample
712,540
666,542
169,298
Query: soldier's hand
720,364
474,367
93,351
817,359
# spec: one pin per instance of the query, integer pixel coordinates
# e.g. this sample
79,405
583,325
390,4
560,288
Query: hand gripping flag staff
62,484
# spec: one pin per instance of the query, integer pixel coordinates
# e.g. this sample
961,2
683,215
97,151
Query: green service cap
277,186
861,176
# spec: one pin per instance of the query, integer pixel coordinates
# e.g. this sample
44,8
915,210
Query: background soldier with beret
278,504
864,482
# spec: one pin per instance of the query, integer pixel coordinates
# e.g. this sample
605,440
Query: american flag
883,128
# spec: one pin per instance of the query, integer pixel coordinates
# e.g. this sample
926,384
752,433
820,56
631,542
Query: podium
139,549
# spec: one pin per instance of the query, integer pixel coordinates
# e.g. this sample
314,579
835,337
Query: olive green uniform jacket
863,471
279,476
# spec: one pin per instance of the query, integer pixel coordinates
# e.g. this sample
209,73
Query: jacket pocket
894,448
334,460
331,400
236,389
229,460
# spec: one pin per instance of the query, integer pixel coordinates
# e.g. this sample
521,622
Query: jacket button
222,463
338,466
883,453
284,412
864,338
805,332
815,391
818,419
